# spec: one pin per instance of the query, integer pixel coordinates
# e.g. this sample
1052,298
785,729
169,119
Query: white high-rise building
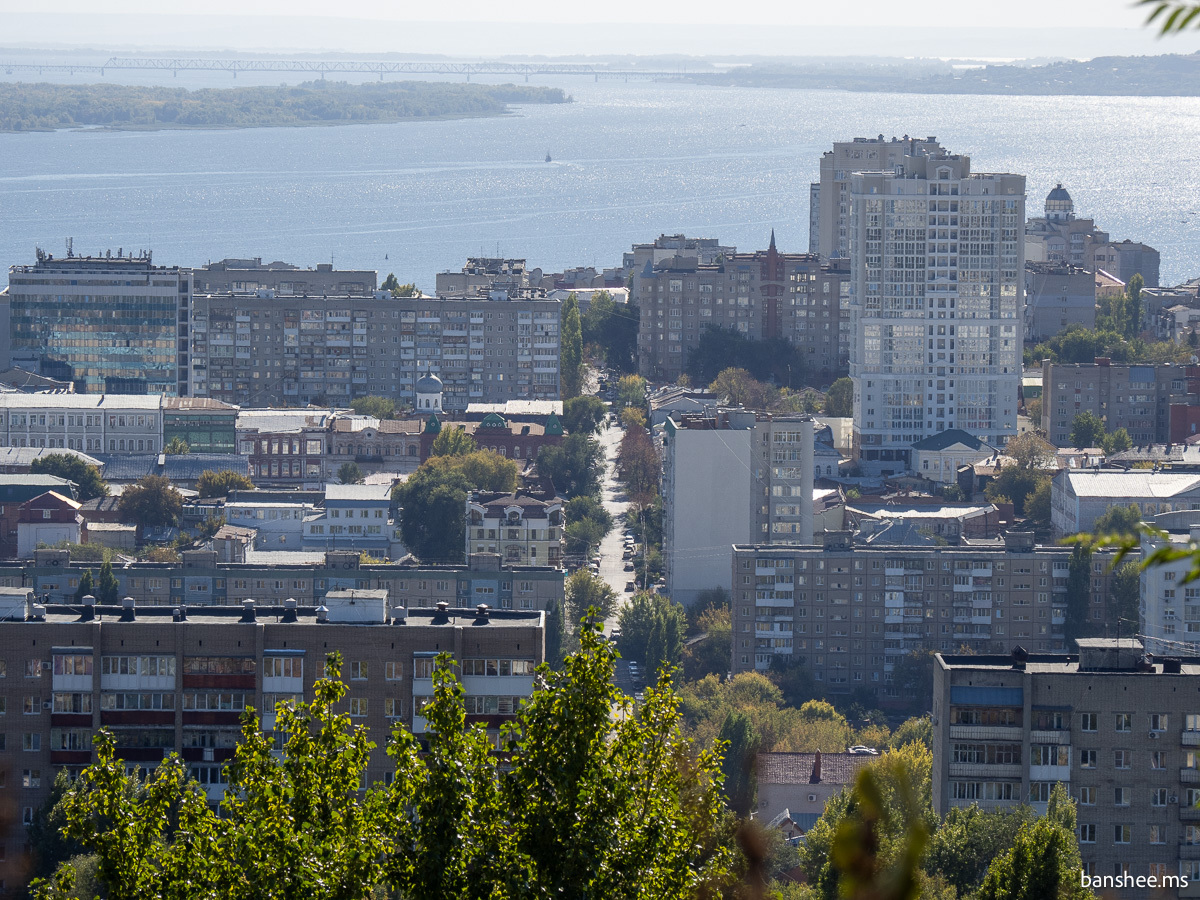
936,282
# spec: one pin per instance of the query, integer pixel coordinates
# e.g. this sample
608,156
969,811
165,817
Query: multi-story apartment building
99,423
763,295
522,528
177,680
706,252
250,275
1169,606
355,517
1137,398
1119,730
269,348
936,283
732,478
1057,295
487,274
1127,258
111,325
829,198
848,611
201,579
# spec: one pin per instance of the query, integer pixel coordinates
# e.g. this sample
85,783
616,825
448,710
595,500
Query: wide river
630,161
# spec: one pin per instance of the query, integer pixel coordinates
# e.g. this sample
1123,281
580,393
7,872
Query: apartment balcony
1190,738
985,732
1189,813
985,770
1050,737
1189,776
1050,773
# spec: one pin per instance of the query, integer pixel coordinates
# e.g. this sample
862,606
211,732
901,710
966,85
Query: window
283,667
393,708
1039,791
1087,796
1158,834
218,665
1121,834
358,707
33,668
423,667
1124,721
1087,722
31,778
146,666
1122,759
209,700
1191,835
1158,722
1121,796
72,703
1158,797
1087,834
1087,759
110,700
31,742
393,671
1158,759
73,664
358,670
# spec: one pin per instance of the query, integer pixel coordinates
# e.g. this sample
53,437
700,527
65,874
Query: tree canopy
152,500
575,466
452,440
839,399
584,803
372,405
88,482
652,631
583,415
572,368
350,473
433,501
219,484
610,332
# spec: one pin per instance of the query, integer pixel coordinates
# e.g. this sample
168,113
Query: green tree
1174,15
739,388
47,844
839,399
587,592
350,473
1133,306
1116,442
1118,520
152,500
1043,860
391,283
610,332
583,800
587,524
583,415
452,440
969,839
741,756
433,501
631,391
177,446
556,634
918,729
1079,582
1033,409
88,483
87,585
712,653
638,466
1037,505
108,589
210,526
373,405
571,365
1123,594
219,484
1087,430
1017,484
575,466
652,631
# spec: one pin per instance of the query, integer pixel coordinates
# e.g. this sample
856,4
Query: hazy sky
968,28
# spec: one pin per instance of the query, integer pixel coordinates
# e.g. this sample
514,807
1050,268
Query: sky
969,28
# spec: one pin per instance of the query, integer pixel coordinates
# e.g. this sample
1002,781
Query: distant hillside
41,107
1147,76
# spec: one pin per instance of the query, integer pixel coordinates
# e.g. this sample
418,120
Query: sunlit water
629,161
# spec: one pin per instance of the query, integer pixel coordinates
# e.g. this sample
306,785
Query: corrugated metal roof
1131,485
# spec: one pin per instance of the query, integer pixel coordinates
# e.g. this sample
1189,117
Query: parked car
629,567
629,587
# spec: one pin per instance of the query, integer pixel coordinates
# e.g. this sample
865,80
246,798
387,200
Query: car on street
629,587
629,567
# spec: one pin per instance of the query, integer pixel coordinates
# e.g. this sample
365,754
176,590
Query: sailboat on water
548,159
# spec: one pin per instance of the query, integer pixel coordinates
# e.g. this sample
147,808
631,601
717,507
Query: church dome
1059,205
429,384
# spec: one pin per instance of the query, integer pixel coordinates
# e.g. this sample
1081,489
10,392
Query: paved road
612,567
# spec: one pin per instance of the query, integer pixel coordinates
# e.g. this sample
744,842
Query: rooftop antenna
70,247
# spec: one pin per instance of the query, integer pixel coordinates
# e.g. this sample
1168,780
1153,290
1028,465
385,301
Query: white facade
91,423
1079,498
750,476
937,265
1168,609
277,525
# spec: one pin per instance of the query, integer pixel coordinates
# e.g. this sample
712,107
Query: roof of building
143,402
20,457
185,404
277,421
234,532
1059,193
811,768
494,504
511,408
951,438
176,466
1106,483
1159,453
920,510
111,527
372,492
56,498
19,488
428,384
21,380
102,504
357,424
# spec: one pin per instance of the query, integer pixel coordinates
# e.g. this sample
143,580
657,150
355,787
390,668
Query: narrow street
612,567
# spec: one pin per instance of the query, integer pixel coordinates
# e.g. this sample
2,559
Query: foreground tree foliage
596,799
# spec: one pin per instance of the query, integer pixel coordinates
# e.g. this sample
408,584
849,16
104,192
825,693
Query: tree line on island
44,107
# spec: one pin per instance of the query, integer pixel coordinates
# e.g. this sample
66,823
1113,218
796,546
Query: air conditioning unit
45,665
1154,735
1174,798
812,798
46,704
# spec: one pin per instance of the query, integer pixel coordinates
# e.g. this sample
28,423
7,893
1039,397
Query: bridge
323,67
